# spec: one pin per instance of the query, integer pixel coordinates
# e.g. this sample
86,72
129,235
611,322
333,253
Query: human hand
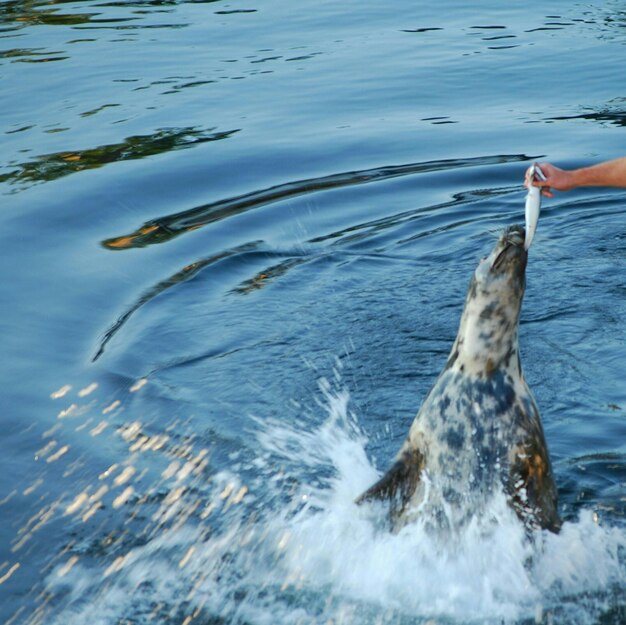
556,178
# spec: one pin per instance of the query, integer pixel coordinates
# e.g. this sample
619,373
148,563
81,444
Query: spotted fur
478,429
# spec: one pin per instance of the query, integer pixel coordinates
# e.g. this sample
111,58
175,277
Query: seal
478,431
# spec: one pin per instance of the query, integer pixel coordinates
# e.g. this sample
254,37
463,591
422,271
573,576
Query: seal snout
510,254
515,235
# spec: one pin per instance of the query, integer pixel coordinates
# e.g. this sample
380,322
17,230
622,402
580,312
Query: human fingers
535,176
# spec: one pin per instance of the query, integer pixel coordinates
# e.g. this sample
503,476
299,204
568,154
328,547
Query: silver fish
533,205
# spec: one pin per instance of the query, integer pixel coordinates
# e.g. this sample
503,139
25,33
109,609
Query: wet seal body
478,430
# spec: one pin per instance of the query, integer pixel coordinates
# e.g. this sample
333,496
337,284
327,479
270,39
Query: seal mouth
512,239
515,235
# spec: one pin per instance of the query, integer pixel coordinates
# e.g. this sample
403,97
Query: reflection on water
613,112
165,228
52,166
180,276
24,13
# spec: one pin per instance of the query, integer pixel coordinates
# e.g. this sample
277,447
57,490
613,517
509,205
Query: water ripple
162,229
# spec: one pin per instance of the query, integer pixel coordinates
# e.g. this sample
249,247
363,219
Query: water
242,232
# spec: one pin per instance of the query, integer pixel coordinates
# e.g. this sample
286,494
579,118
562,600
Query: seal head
478,430
487,336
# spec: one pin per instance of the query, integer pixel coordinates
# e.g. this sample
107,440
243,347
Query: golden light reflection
171,470
185,514
64,390
195,614
228,489
9,573
58,454
284,540
116,486
207,510
67,567
33,487
99,428
139,443
100,493
45,450
67,412
155,443
83,426
131,431
190,466
185,559
88,390
35,523
120,500
79,501
53,430
111,407
137,385
91,511
8,497
105,474
116,565
124,476
130,240
238,498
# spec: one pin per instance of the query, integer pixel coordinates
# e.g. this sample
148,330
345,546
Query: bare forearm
607,174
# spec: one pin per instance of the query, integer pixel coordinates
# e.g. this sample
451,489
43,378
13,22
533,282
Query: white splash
292,547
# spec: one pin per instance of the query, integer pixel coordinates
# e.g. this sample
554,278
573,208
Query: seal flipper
398,484
532,490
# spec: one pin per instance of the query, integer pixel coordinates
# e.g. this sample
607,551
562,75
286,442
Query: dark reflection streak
235,11
497,37
561,313
421,30
23,14
466,197
53,166
180,363
599,457
165,228
617,118
129,27
262,278
149,3
180,276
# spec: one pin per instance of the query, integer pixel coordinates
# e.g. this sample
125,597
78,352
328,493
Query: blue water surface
236,242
